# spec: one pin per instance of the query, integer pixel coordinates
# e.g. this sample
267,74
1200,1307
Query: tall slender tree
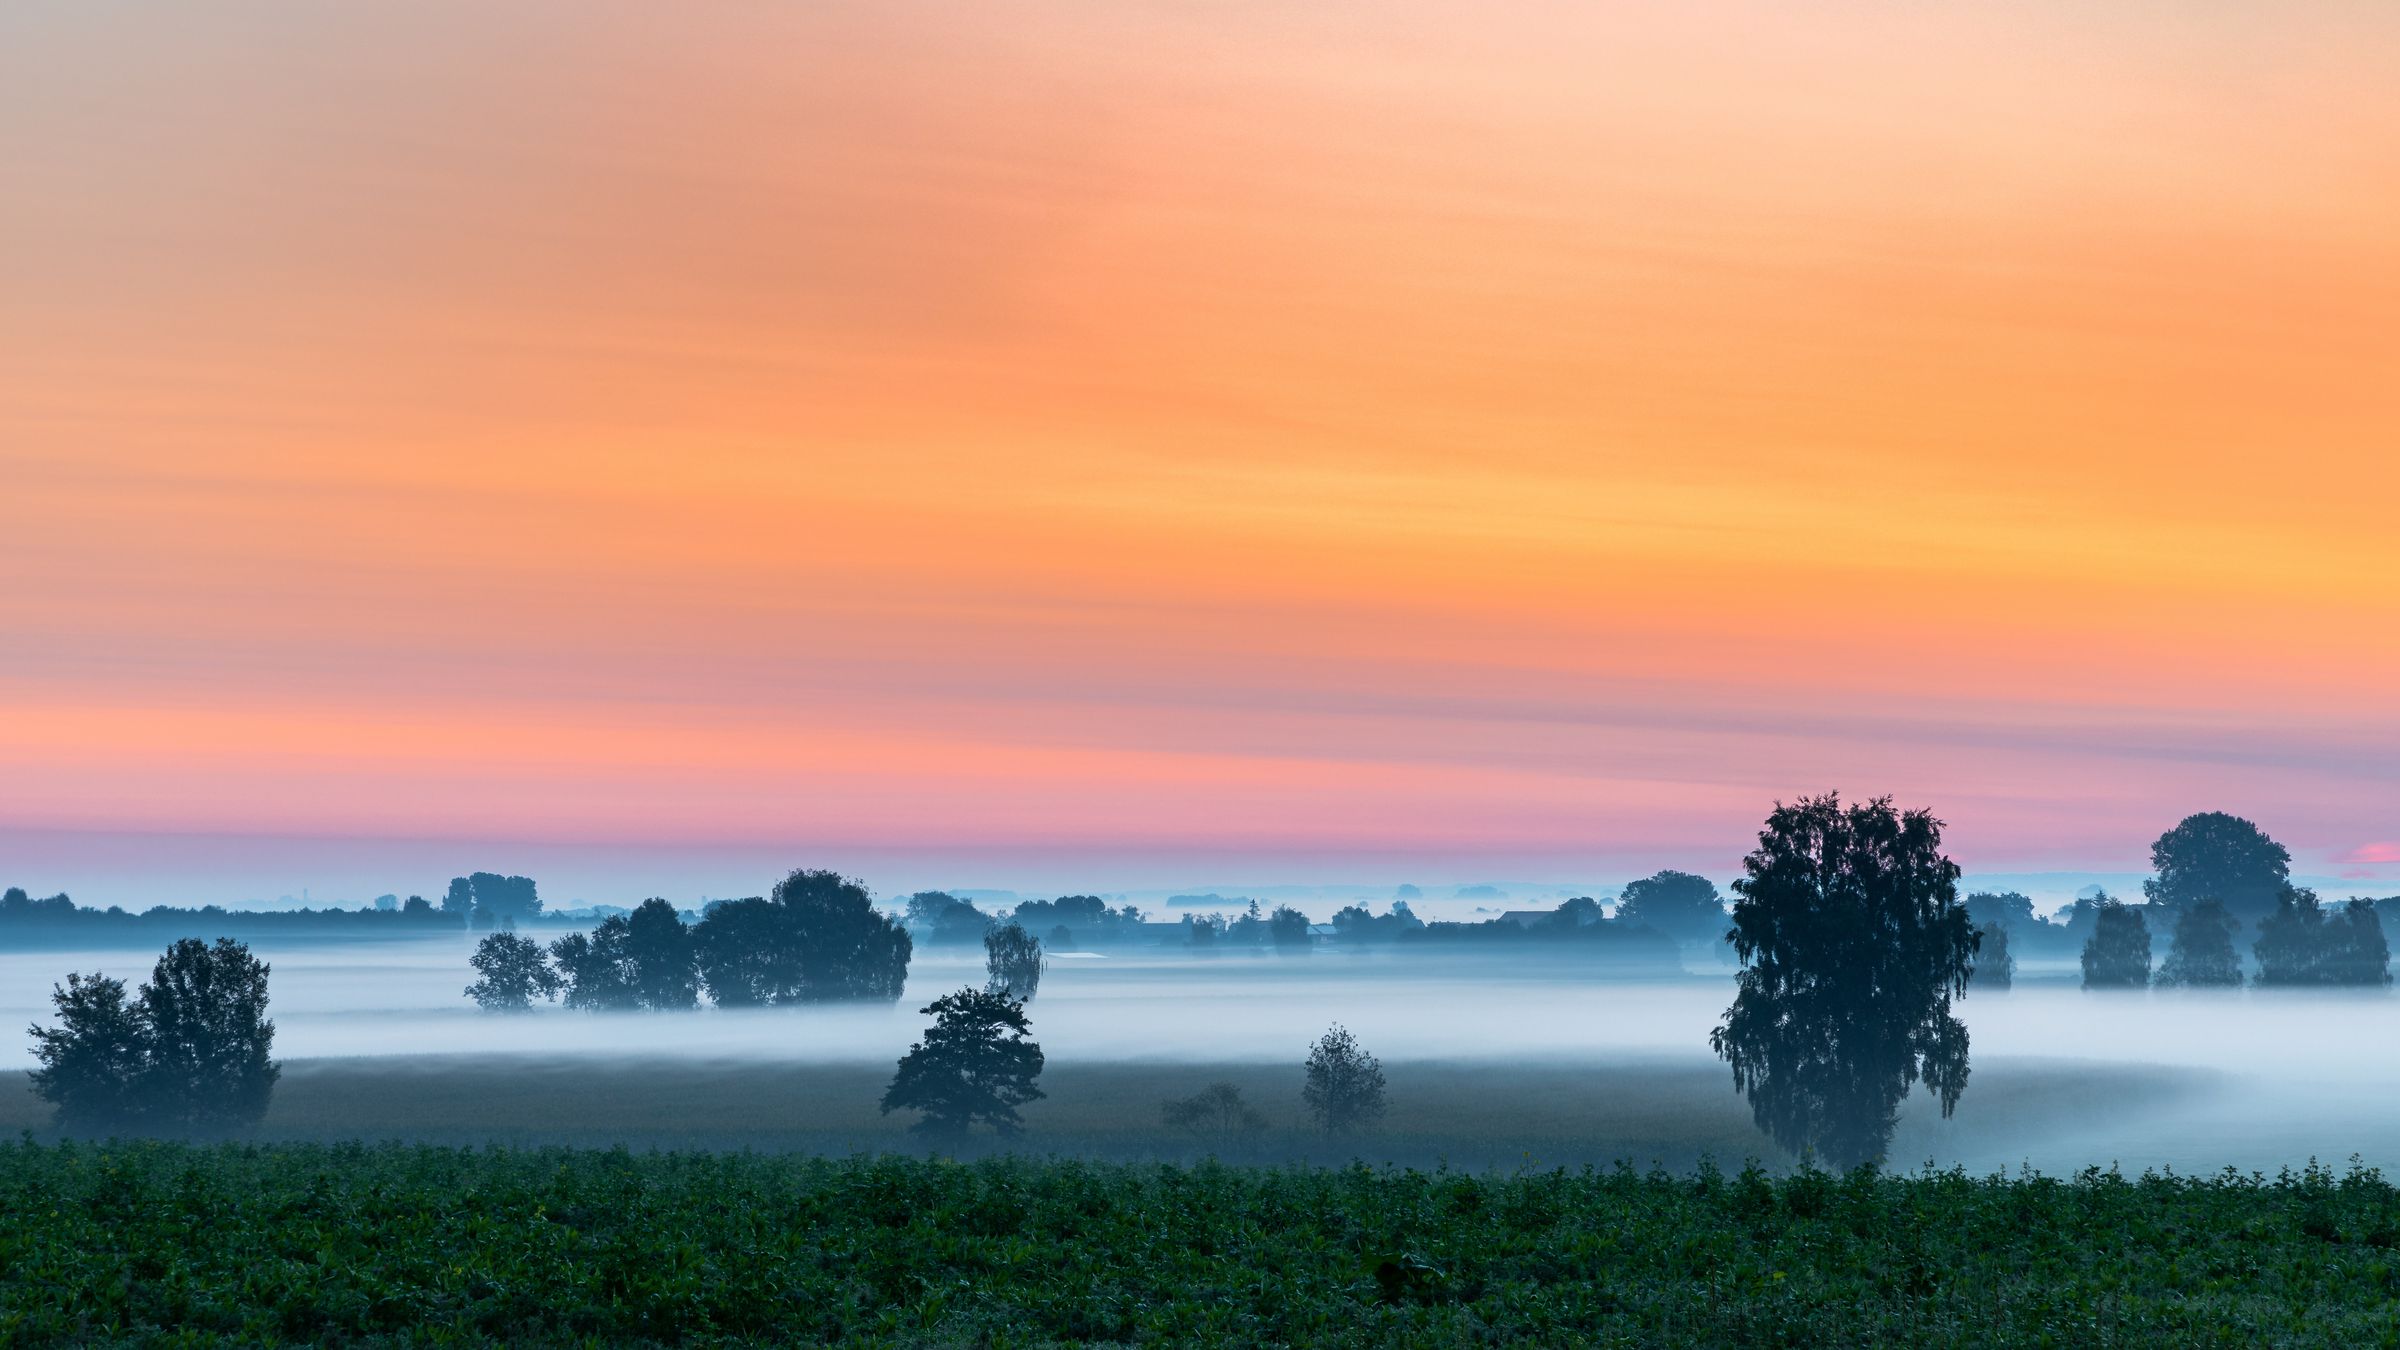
1853,946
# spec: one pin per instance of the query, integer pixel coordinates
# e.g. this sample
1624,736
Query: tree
1344,1088
974,1065
1582,911
512,972
946,920
1682,906
2359,954
742,950
2301,945
210,1045
1215,1113
1012,961
2215,856
2008,910
1853,945
93,1062
1288,929
844,947
593,971
2118,954
1994,968
660,963
2201,956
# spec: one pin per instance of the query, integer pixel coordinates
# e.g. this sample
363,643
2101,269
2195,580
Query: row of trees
191,1051
2300,944
818,938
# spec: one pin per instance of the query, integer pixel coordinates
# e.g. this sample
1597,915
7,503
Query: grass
150,1243
1467,1116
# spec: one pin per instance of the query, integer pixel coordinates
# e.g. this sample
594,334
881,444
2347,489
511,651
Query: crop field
1466,1116
352,1244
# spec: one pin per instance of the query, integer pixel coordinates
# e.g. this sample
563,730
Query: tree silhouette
1215,1113
513,972
2201,955
844,947
2301,945
946,920
1853,945
1682,906
1288,929
974,1065
2118,954
209,1043
1012,961
1994,968
742,949
1344,1087
2009,910
2215,856
92,1063
660,963
593,970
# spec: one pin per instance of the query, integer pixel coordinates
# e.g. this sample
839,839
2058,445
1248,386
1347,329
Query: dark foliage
1685,907
2300,944
192,1052
1287,928
1343,1090
1086,917
2215,856
974,1066
511,973
1853,945
2117,956
2011,910
1012,962
1356,925
1215,1113
93,1061
2201,955
344,1245
1994,968
944,920
495,896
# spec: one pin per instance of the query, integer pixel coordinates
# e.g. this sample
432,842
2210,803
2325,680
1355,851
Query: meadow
161,1243
1464,1115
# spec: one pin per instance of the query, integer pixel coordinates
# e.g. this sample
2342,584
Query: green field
1467,1116
400,1245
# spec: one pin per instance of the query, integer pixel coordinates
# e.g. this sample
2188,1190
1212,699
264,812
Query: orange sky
1534,433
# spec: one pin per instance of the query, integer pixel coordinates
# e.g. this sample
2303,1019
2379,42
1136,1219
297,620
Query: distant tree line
2216,877
817,938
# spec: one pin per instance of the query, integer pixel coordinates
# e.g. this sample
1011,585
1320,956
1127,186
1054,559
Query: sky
1091,445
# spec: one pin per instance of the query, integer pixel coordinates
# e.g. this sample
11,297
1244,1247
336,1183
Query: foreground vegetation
326,1245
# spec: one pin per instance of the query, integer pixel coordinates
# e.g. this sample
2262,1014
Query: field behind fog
1493,1061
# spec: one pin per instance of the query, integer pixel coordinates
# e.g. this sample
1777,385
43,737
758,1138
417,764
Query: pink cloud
2372,853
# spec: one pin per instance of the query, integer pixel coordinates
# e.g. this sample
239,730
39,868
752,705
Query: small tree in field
974,1065
1215,1113
1012,961
1344,1091
2118,954
205,1009
512,973
91,1063
2202,955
